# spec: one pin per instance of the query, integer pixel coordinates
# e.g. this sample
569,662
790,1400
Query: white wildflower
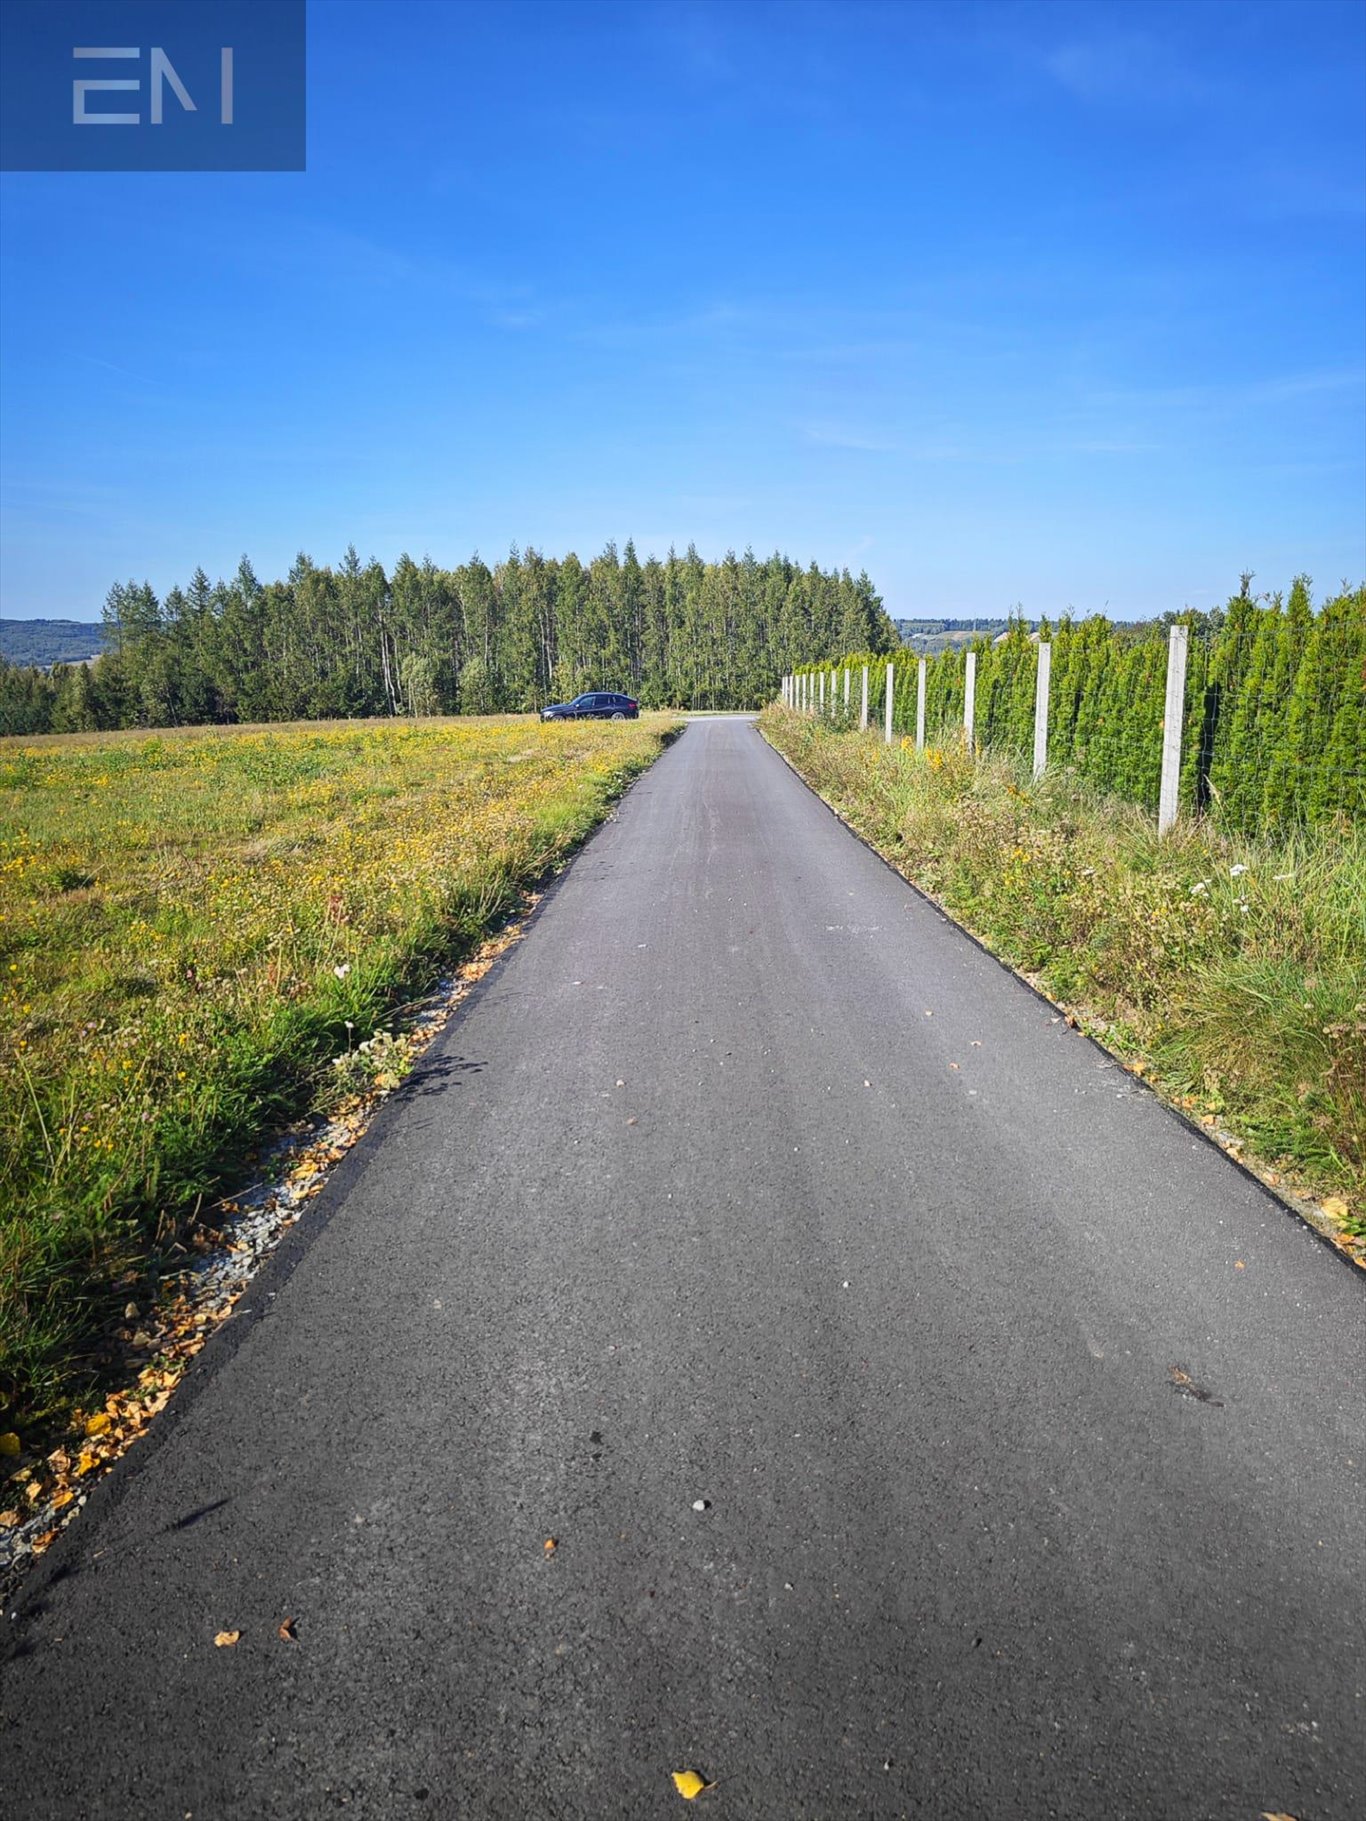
1203,886
342,971
1236,872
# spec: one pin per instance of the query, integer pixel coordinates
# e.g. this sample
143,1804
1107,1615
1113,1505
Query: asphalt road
1028,1430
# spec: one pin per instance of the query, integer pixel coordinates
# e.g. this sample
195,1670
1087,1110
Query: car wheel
617,715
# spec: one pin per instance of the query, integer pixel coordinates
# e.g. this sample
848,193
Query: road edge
1286,1202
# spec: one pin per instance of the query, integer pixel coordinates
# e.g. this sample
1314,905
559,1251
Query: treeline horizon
354,641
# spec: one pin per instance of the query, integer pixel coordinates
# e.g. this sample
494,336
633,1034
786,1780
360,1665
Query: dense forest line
354,640
1275,719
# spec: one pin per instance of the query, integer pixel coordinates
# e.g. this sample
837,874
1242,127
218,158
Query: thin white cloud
702,324
1235,395
110,366
517,319
1124,66
849,436
696,40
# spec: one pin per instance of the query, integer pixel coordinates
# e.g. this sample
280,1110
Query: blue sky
1057,304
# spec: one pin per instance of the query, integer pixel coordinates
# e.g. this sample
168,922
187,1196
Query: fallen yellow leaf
9,1442
550,1545
689,1785
1268,1816
87,1461
1335,1208
225,1639
98,1423
288,1631
63,1499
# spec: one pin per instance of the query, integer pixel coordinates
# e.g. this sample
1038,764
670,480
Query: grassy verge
192,927
1232,975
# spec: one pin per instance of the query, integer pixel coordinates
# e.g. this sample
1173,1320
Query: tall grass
192,925
1233,969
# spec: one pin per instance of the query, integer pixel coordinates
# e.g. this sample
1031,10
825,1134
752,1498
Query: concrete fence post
970,700
833,675
890,688
1041,708
920,706
863,710
1171,728
821,693
846,689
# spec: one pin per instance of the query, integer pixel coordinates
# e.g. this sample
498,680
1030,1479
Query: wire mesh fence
1273,724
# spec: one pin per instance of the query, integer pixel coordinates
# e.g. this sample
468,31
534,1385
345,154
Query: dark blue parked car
597,705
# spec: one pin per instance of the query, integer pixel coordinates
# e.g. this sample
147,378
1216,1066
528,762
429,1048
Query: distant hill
47,642
928,637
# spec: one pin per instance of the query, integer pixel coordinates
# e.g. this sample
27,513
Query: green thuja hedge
1275,721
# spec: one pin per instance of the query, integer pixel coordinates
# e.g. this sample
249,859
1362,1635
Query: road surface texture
1025,1428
